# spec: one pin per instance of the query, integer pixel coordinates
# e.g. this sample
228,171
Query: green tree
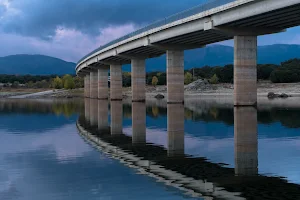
214,79
30,84
79,83
126,79
188,78
68,82
57,83
154,81
15,84
264,71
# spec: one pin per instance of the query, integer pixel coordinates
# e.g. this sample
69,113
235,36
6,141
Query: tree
15,84
214,79
30,84
68,82
126,79
225,74
79,83
57,83
154,81
188,78
264,71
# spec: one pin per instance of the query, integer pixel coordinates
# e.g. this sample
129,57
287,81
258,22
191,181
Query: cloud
67,44
69,29
41,18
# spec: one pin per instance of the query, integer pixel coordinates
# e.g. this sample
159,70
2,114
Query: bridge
215,21
195,176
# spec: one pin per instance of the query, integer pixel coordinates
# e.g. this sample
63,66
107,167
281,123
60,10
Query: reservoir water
96,149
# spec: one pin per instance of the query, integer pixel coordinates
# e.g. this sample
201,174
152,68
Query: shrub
154,81
188,78
214,79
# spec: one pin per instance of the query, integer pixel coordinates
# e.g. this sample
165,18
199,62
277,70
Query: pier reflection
94,112
103,115
116,117
196,176
175,129
138,122
87,109
245,141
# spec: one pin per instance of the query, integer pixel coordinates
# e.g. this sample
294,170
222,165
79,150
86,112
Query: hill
214,55
35,65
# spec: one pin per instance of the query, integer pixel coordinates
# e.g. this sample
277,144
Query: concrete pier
102,83
87,109
245,141
94,84
87,86
138,123
93,112
245,72
116,117
116,82
138,80
175,114
175,76
102,114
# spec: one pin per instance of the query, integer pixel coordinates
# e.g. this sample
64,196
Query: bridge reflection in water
195,176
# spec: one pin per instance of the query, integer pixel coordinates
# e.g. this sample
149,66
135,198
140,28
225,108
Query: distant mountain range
215,55
35,65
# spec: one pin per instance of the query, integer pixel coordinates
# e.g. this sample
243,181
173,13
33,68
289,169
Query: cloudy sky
69,29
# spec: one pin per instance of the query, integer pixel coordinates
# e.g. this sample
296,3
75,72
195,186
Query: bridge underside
197,34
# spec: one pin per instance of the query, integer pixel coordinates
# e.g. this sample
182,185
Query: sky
69,29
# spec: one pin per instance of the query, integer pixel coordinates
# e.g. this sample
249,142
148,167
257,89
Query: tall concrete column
87,109
116,117
94,84
245,75
102,115
138,122
116,82
102,83
138,80
93,112
84,84
87,86
175,114
245,141
175,76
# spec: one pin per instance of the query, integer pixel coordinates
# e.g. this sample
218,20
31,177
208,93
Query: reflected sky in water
44,155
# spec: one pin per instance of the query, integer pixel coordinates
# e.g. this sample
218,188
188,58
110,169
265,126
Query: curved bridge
215,21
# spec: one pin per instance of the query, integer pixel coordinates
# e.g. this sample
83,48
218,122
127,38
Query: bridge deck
188,29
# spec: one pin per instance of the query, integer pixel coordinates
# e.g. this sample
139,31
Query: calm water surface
97,149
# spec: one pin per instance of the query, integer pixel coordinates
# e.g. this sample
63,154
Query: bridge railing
209,4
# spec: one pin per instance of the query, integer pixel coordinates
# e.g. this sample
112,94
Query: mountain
214,55
219,55
35,65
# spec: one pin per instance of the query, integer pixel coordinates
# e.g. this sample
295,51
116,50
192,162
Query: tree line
286,72
47,81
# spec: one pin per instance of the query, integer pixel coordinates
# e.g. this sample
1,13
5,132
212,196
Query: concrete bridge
195,176
241,20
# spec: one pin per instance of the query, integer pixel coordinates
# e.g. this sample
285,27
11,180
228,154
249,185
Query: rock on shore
272,95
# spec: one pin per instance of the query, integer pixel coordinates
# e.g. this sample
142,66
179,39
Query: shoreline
221,92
